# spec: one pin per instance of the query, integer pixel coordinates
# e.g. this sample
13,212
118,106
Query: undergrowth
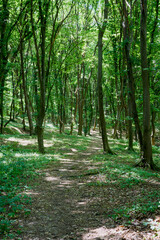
19,165
20,162
120,173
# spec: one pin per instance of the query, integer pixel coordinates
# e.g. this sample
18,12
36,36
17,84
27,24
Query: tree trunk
130,130
147,147
153,127
80,101
130,76
41,67
150,60
22,108
71,126
25,89
106,147
3,56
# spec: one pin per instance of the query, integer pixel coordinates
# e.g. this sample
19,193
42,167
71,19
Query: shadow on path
68,207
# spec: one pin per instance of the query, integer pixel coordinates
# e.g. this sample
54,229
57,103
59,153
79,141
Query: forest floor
86,195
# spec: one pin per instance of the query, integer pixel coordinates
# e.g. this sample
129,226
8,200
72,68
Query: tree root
143,164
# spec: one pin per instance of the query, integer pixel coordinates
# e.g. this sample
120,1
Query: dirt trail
66,207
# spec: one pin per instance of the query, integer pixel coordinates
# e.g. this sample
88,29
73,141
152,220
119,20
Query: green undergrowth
17,170
20,163
119,172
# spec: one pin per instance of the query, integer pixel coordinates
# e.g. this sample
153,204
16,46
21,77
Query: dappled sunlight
97,148
100,178
74,150
131,175
56,140
70,154
84,161
81,192
16,128
60,182
30,192
50,178
22,141
154,224
80,184
67,170
64,170
48,143
66,160
57,157
152,181
116,233
86,154
19,155
65,184
82,203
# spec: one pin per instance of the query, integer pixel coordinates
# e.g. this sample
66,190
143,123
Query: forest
79,119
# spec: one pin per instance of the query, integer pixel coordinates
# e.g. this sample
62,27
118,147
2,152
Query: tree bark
106,147
41,68
101,31
130,76
147,147
3,56
24,88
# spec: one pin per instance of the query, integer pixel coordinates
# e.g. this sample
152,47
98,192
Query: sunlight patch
22,141
48,143
96,148
154,224
70,154
74,150
82,203
30,192
63,170
66,184
119,232
26,155
86,154
51,179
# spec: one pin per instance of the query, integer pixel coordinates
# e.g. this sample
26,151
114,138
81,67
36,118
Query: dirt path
67,207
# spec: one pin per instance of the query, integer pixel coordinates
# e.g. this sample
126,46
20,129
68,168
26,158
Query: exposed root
146,165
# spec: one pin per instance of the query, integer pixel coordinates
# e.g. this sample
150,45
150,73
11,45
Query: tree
4,38
132,99
147,147
101,31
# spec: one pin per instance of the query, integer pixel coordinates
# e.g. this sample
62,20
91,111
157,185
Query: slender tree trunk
22,108
152,38
91,110
106,147
130,129
119,108
71,126
80,102
76,105
25,89
153,127
102,122
147,147
3,57
41,67
131,77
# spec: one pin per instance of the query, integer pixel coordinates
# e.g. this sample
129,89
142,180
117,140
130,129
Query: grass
20,162
17,169
119,172
19,165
